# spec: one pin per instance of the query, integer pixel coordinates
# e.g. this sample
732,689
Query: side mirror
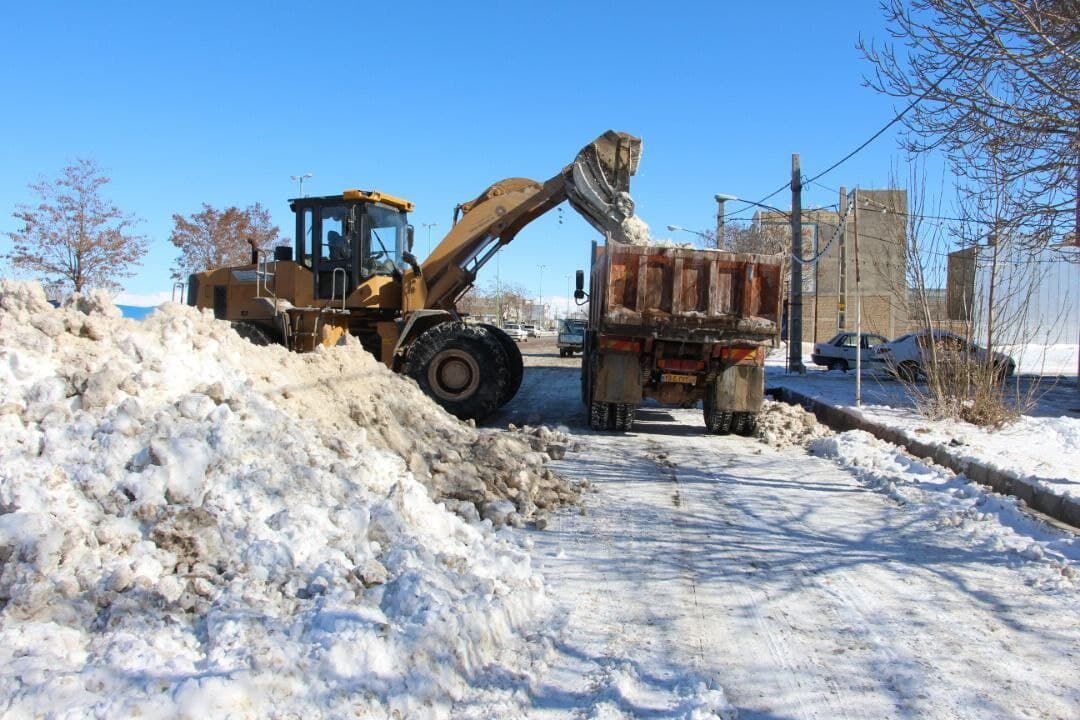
579,285
409,258
409,238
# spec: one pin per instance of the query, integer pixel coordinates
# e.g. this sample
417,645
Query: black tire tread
514,363
477,341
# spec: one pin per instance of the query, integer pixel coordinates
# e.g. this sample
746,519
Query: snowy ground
193,527
1043,445
847,582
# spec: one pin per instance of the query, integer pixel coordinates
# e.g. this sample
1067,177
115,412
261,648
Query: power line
896,118
899,116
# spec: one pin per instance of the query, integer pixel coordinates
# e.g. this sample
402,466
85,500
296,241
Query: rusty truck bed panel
680,293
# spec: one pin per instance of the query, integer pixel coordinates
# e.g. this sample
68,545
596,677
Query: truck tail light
742,356
684,365
608,343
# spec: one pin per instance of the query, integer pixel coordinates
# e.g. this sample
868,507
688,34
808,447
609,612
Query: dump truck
679,325
351,270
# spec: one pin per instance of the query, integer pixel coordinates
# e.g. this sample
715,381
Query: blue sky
185,103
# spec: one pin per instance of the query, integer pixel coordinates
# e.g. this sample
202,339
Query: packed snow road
720,575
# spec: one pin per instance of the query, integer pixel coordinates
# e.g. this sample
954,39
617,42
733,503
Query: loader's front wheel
253,333
514,364
462,367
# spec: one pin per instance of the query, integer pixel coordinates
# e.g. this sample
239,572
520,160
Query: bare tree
998,90
73,234
215,238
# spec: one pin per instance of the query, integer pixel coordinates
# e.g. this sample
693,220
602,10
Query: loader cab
346,239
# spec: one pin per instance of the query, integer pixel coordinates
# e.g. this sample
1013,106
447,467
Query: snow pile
988,519
782,425
192,526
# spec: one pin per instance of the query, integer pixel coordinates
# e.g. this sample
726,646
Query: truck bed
686,294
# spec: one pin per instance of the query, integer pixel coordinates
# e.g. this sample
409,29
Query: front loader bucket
599,179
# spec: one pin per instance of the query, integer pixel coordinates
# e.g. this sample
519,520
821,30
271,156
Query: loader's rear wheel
462,367
514,363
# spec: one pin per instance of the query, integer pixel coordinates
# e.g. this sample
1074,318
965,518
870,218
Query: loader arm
596,183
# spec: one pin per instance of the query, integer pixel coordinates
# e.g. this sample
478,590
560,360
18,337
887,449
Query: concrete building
829,286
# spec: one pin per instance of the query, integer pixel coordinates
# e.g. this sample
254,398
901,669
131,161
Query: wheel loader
351,270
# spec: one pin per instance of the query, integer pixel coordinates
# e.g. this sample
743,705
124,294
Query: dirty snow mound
193,526
782,425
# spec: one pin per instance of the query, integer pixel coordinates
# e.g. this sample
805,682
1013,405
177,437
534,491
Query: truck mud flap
618,379
740,388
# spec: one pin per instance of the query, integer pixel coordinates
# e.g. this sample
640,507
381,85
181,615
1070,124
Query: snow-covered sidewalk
1042,447
716,575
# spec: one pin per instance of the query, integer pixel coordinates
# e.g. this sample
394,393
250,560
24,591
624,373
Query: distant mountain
135,312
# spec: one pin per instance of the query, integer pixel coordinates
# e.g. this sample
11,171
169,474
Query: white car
530,330
838,353
516,332
907,356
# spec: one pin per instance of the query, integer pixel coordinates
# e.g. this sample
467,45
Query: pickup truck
571,337
678,325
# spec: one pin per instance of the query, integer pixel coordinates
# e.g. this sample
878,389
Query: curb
1061,508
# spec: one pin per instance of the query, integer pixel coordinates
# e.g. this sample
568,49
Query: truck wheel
744,423
590,367
513,362
461,367
599,415
718,422
623,419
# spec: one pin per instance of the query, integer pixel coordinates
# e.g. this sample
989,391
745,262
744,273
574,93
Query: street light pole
680,228
429,226
541,292
566,315
300,179
721,198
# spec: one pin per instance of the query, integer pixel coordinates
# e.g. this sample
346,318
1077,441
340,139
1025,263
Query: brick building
829,285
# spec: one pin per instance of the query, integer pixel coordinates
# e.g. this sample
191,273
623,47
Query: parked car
908,356
571,337
838,353
516,332
530,330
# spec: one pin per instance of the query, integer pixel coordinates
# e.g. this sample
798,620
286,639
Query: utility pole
841,275
795,333
858,306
